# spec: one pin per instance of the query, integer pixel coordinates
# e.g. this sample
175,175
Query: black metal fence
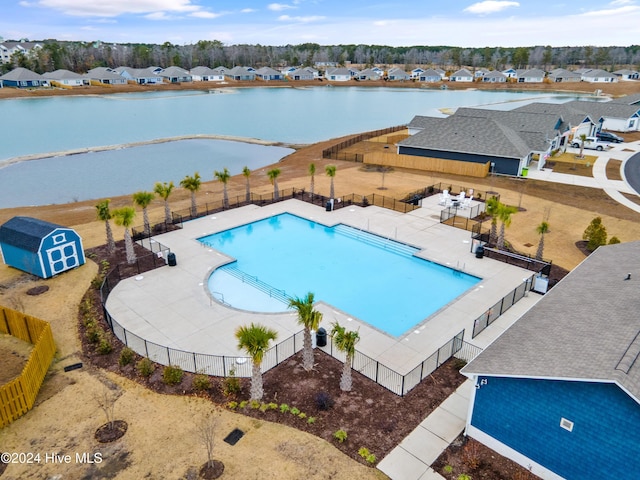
504,304
334,151
519,260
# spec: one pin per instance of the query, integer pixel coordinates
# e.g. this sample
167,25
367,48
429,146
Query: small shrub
323,401
311,420
231,384
264,407
272,406
86,306
232,405
254,404
89,319
104,345
201,382
371,458
447,469
463,476
613,240
172,375
244,403
145,367
284,408
458,363
294,411
302,415
126,356
471,455
93,334
363,452
340,435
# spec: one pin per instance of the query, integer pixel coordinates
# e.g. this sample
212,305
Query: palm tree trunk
225,197
346,382
111,243
128,246
167,213
276,192
257,391
194,209
494,232
500,242
248,195
540,248
147,226
307,353
312,186
331,190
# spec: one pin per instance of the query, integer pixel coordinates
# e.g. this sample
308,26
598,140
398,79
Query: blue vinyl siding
525,414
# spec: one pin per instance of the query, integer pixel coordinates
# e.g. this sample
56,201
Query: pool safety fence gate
502,305
334,151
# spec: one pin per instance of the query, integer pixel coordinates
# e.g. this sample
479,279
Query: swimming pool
376,280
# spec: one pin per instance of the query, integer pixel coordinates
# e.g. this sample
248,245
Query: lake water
43,125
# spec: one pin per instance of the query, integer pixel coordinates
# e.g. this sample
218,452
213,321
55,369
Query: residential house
416,72
598,76
510,73
40,248
339,74
615,116
175,74
142,76
626,74
369,74
481,72
633,99
396,74
268,74
8,49
532,75
105,75
494,77
429,76
562,75
65,78
300,74
205,74
23,78
241,74
559,391
462,75
577,121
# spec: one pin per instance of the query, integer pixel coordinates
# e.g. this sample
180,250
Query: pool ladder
257,283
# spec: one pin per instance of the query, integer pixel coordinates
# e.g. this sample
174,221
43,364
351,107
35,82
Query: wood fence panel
456,167
19,395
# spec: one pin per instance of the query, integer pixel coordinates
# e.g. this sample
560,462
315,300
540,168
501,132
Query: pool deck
172,306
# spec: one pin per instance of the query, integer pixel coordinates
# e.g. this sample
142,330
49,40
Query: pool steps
376,240
254,281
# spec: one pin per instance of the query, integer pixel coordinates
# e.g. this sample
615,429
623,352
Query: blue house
40,248
559,391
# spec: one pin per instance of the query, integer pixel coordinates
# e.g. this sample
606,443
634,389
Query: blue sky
463,23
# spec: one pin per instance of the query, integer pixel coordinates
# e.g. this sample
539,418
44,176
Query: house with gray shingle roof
300,74
626,74
396,74
175,74
268,73
241,74
598,76
339,74
469,139
633,99
8,49
369,74
142,76
64,77
559,391
611,115
23,78
494,77
532,75
577,120
205,74
462,75
429,76
562,75
105,75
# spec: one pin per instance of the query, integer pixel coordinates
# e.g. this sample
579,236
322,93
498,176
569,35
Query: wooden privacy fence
18,396
440,165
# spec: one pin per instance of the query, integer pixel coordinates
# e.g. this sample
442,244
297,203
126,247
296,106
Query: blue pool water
376,280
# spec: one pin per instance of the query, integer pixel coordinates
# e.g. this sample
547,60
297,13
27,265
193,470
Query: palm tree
164,190
124,217
345,341
193,185
504,214
583,138
541,229
273,178
330,170
492,207
310,319
247,173
312,173
104,214
255,340
223,177
143,199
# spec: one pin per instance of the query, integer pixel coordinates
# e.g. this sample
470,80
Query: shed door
63,257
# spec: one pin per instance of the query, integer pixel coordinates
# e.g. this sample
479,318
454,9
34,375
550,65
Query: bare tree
106,400
206,431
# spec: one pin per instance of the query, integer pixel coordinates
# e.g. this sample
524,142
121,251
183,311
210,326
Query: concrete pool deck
171,306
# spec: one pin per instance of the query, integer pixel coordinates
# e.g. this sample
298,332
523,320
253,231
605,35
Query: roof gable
26,233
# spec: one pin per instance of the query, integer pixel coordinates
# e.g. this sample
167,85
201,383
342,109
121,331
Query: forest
82,56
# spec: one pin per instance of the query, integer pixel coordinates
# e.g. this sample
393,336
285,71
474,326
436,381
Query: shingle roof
26,233
597,110
62,74
21,74
585,328
571,115
628,99
468,135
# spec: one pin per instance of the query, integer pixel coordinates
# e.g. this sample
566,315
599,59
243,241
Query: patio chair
461,196
444,197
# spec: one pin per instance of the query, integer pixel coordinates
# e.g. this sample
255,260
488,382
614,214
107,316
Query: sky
462,23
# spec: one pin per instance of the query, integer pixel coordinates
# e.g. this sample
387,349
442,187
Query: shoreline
200,136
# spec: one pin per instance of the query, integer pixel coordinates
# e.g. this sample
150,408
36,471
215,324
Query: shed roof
26,233
585,328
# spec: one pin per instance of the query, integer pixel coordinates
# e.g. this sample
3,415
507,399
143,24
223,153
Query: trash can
525,171
328,206
171,259
321,337
480,251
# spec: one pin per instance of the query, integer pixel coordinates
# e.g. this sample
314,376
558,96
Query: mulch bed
110,432
211,471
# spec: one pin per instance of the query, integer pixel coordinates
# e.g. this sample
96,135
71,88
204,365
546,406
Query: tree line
82,56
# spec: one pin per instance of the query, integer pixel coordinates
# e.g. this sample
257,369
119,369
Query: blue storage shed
40,248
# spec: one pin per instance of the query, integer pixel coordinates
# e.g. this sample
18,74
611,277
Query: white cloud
311,18
158,16
114,8
248,10
203,14
622,2
612,11
490,6
278,7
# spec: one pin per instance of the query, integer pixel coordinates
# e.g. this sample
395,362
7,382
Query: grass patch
613,169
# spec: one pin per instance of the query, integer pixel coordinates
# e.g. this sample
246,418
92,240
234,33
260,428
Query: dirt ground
161,427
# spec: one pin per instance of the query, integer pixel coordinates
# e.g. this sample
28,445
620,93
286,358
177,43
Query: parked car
609,137
592,143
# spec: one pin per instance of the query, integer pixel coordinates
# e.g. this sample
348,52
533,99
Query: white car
592,143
